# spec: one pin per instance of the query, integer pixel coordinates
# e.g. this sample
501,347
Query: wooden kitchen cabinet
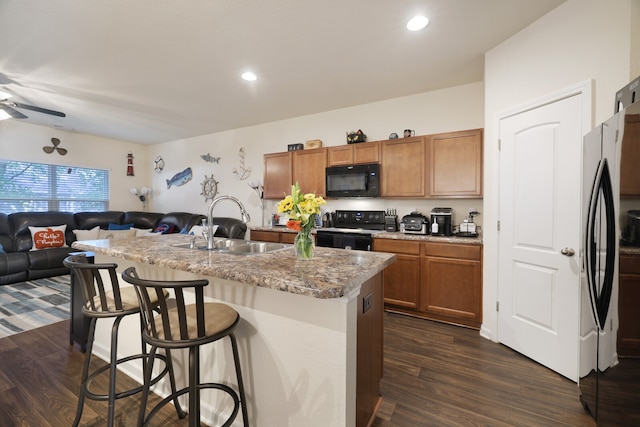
272,236
402,278
277,175
403,167
452,275
628,302
340,155
308,168
353,154
264,236
455,164
366,152
436,281
630,159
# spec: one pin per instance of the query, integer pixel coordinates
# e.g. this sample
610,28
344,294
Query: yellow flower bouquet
302,210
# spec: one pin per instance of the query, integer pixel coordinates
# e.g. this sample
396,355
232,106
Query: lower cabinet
437,281
628,301
272,236
402,278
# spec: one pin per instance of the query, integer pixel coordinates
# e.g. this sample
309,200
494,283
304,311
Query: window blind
30,187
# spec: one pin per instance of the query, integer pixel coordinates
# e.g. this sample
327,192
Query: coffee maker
441,221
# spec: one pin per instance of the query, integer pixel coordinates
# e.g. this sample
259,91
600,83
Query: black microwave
353,181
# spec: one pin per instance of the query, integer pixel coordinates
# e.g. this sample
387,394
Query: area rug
32,304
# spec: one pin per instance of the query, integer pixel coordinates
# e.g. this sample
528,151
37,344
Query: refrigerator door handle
600,296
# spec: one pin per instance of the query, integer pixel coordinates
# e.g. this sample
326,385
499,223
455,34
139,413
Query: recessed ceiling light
417,23
249,76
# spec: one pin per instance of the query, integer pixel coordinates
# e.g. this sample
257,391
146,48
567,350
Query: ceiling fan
9,108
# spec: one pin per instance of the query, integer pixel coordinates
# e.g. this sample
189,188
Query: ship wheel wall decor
209,188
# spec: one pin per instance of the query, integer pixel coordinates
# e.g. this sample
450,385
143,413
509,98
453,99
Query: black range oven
352,230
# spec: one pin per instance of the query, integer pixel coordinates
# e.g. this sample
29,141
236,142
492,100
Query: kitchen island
311,331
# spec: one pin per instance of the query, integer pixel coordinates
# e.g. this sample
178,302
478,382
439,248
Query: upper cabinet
277,175
353,154
444,165
402,167
455,164
630,159
308,167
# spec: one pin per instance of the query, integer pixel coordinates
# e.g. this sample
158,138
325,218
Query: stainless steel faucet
243,212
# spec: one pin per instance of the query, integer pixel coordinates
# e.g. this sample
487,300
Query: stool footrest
223,387
94,396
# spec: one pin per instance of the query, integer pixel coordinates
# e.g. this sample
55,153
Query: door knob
568,251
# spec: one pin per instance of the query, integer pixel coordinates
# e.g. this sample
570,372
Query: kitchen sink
256,248
234,246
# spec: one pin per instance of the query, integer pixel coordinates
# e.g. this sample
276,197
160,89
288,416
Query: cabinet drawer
264,236
396,246
629,264
287,237
453,250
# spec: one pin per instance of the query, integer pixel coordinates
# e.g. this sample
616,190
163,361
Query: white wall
577,41
451,109
21,141
446,110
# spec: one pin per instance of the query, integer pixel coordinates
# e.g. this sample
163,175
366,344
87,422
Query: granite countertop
332,273
396,236
630,250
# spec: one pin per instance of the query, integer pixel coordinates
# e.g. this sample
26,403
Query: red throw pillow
48,237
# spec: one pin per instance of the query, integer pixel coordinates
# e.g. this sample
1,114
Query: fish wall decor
209,158
181,178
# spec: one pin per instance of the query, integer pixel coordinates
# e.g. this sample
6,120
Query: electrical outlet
367,301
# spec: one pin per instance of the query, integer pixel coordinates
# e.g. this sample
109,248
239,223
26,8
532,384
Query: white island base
306,361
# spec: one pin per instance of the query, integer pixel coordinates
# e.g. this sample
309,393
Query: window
31,187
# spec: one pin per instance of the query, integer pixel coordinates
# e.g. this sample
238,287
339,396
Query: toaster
414,223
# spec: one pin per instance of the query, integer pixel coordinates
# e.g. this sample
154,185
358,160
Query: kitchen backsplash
461,207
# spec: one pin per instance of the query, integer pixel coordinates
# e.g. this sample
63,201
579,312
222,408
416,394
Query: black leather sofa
19,263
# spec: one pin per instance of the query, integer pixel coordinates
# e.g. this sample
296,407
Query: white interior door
539,237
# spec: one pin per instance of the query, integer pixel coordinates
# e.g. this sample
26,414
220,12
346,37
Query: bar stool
181,325
101,302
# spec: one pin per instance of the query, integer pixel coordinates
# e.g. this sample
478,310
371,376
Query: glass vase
304,245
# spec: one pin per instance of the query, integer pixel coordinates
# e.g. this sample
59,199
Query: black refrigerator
609,374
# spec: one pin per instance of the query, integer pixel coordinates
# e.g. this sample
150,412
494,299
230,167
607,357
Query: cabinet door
366,152
451,276
629,176
403,167
451,289
309,170
455,164
628,302
288,237
264,236
341,155
277,175
402,278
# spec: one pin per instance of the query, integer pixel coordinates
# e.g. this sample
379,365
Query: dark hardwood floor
434,375
442,375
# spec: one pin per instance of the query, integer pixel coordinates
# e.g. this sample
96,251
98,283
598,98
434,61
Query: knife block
391,223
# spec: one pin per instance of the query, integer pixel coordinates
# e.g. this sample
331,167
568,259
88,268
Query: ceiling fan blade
13,113
38,109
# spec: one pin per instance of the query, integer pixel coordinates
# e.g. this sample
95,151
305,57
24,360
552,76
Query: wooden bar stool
101,301
181,325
